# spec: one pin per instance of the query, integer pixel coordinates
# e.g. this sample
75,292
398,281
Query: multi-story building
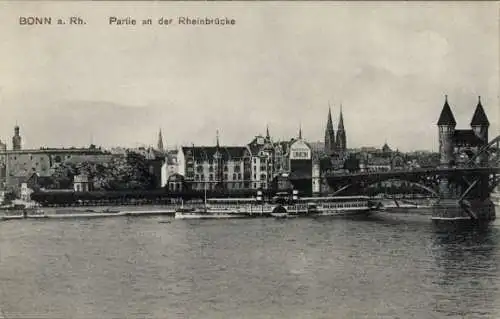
169,167
268,159
18,164
253,166
301,165
215,167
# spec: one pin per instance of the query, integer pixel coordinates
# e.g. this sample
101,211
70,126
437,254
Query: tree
120,173
63,175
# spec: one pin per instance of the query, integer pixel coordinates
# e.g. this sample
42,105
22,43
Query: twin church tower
335,144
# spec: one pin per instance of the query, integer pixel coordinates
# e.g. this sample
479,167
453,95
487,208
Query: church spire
329,122
300,131
268,136
329,133
341,120
160,142
217,137
341,140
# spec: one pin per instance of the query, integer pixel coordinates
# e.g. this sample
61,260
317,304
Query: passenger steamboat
215,208
278,207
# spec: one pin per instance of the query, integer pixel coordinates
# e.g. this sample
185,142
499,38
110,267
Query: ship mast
205,196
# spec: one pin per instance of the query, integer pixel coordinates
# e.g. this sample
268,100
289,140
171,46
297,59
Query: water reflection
466,268
383,266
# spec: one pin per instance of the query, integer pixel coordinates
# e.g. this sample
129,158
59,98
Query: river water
387,266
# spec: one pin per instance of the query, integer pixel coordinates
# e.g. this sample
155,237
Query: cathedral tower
446,125
16,139
329,134
341,141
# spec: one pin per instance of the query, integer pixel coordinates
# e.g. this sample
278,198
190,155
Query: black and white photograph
249,160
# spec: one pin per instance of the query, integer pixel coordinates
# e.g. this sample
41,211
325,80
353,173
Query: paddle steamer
280,206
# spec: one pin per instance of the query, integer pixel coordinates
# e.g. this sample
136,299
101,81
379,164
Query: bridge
465,186
470,167
468,173
425,177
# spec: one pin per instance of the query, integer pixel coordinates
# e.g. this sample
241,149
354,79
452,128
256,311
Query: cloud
389,65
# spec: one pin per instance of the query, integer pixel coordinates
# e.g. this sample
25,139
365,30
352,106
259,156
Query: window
225,177
234,176
211,177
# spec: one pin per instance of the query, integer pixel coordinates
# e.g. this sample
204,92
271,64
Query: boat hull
210,215
342,213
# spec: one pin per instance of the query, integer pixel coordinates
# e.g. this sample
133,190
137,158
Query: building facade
253,166
214,167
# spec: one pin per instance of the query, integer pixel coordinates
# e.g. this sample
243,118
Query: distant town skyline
279,65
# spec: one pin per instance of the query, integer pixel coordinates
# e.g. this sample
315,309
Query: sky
388,64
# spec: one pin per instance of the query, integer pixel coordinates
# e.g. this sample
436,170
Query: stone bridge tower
480,126
446,125
464,193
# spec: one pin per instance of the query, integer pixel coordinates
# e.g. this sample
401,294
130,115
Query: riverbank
85,212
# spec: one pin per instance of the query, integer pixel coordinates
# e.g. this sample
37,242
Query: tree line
129,172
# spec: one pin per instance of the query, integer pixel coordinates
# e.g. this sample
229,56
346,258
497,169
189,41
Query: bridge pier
463,201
